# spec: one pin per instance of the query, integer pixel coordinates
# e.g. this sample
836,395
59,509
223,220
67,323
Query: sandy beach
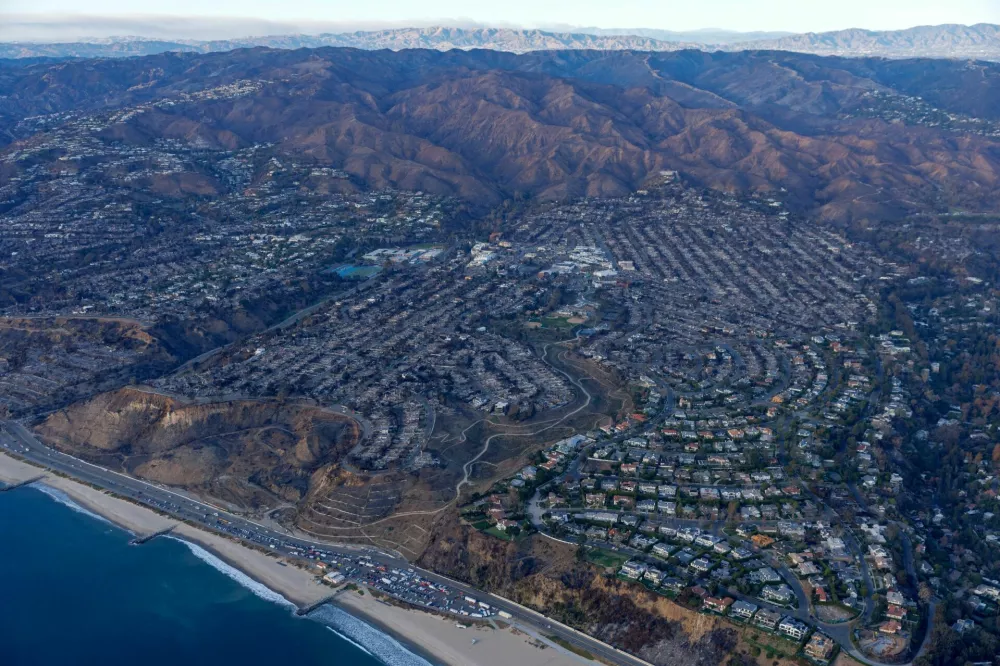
293,583
433,634
442,637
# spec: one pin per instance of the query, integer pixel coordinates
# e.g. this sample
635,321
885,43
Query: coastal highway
17,439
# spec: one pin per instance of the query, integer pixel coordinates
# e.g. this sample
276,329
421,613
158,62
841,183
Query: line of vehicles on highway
408,586
405,585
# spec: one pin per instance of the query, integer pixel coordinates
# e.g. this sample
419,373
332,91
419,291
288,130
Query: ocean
74,593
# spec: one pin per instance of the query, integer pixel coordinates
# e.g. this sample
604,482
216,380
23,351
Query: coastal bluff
245,452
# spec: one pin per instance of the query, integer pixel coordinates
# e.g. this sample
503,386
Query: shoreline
476,644
432,637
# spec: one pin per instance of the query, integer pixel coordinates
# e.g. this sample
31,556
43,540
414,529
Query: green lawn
500,534
606,558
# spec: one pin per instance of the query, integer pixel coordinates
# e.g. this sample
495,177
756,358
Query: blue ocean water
73,592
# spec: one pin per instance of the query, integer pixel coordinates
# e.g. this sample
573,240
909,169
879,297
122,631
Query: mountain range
842,138
980,41
440,38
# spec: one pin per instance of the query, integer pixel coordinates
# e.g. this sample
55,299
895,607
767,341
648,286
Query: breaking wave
362,635
354,643
380,645
355,631
64,499
262,591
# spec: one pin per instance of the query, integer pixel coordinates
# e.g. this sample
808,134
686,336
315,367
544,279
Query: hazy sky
743,15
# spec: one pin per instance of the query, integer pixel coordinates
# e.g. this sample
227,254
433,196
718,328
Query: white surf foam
244,580
352,642
380,645
355,631
362,635
64,499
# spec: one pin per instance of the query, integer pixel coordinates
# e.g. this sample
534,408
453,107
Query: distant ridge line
980,41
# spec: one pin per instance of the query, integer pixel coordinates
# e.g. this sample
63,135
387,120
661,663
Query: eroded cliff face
547,576
251,453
